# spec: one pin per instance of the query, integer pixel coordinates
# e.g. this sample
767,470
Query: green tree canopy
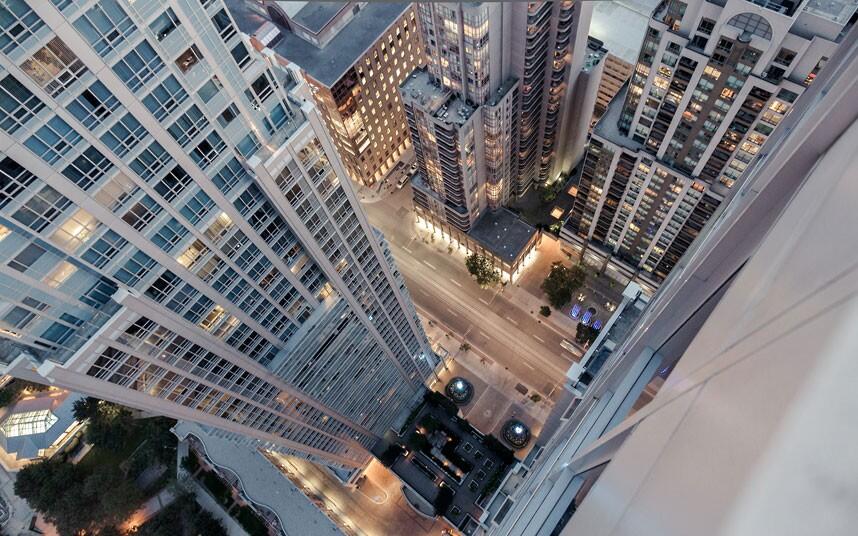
481,268
562,282
76,501
110,425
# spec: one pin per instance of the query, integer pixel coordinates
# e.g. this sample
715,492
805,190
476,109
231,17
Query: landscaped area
447,461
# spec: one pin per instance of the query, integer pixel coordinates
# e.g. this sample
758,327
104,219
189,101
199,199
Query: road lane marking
406,249
483,333
456,283
452,312
528,365
537,338
484,301
511,320
429,265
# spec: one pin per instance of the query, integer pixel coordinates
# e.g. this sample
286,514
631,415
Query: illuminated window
58,276
75,231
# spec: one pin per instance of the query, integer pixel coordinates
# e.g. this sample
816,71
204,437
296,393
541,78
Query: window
230,176
116,192
106,26
208,149
249,145
75,231
135,269
169,235
17,104
138,66
19,318
53,140
93,105
88,168
197,207
165,24
188,125
228,115
189,58
54,67
706,26
240,55
124,135
17,24
165,98
141,213
173,183
13,180
785,57
26,258
278,116
224,25
42,209
262,88
104,249
209,89
60,274
751,24
151,161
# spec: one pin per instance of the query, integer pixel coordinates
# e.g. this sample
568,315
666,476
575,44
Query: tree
585,334
545,310
110,425
481,268
76,501
562,282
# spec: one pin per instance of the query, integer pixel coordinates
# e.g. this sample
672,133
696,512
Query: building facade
712,82
698,422
354,55
177,235
488,111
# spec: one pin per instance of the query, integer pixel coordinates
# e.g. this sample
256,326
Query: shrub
545,311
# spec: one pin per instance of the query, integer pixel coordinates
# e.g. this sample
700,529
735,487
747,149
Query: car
413,168
402,180
576,310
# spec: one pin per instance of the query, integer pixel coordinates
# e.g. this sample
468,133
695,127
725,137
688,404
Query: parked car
413,169
402,180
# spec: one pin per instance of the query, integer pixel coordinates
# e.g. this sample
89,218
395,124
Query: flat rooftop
315,15
326,65
503,233
837,11
438,100
621,25
607,127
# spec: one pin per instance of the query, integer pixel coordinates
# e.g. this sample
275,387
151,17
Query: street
501,327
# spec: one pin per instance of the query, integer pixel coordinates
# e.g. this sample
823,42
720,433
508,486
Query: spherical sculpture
516,433
459,390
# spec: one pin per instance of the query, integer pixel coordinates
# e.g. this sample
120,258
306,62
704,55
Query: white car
402,180
413,168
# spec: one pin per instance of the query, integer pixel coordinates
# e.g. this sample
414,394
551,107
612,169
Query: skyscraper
177,234
727,394
712,82
487,112
354,56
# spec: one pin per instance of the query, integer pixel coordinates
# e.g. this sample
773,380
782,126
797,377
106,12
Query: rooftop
607,127
595,52
35,422
328,64
438,100
315,15
501,91
503,233
620,25
838,11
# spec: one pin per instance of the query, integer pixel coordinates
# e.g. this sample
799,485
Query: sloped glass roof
28,423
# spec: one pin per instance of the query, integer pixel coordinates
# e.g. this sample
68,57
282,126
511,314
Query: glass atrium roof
28,423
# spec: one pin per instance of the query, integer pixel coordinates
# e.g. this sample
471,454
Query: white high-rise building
723,406
713,80
177,233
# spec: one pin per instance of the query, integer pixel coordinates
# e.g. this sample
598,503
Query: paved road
443,290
